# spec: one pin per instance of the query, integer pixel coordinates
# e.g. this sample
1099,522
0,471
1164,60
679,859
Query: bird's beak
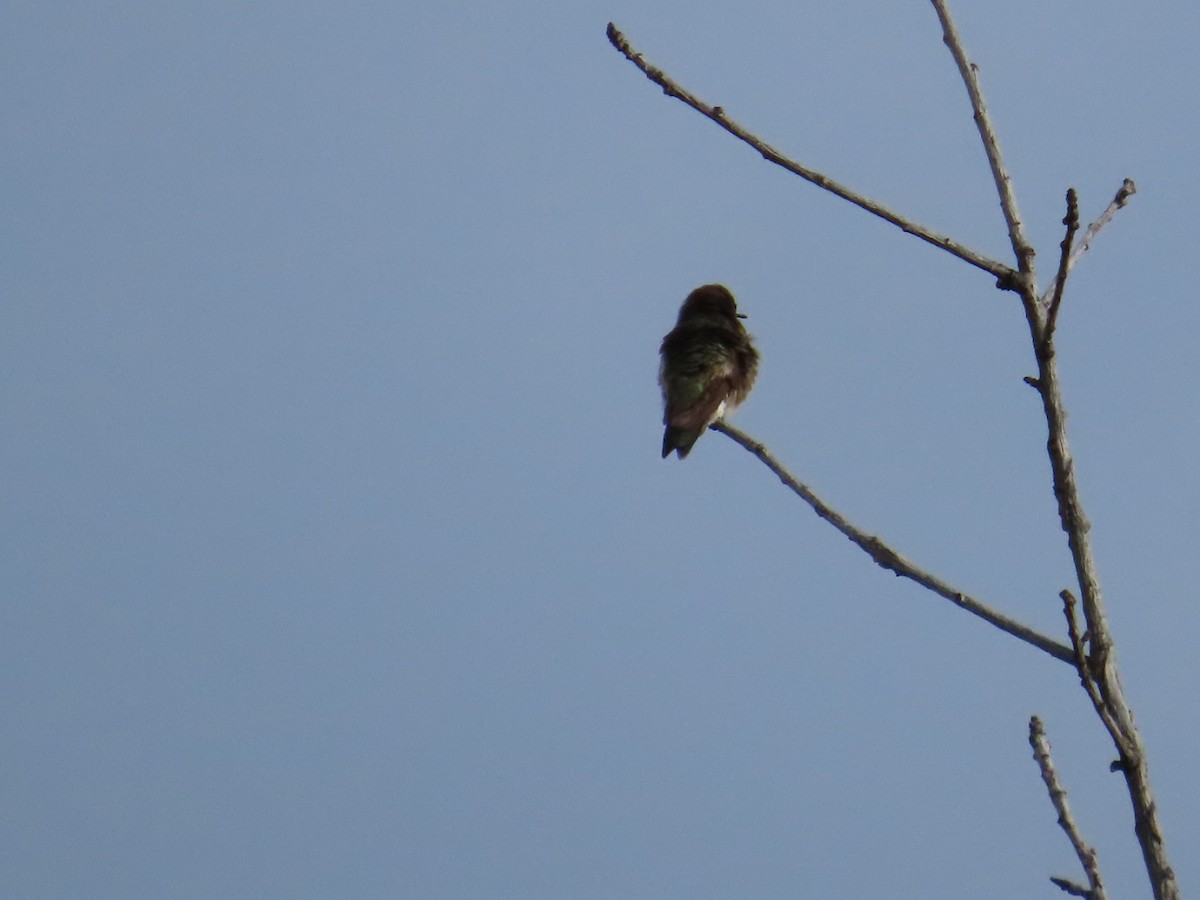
742,316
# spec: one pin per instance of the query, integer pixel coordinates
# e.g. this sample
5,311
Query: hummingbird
708,366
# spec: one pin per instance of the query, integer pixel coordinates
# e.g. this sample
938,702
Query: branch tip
614,36
1070,887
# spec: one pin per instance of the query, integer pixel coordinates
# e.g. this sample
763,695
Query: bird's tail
680,440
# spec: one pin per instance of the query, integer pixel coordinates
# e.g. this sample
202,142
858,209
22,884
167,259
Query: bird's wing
698,410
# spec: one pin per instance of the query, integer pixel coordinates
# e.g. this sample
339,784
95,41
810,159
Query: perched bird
708,366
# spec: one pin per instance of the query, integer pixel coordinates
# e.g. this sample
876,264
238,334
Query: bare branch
1127,190
1071,220
889,559
1058,796
1022,249
1005,276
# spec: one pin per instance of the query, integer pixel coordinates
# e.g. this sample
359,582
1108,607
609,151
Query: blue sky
338,556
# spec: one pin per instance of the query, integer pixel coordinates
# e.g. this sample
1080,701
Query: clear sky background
338,557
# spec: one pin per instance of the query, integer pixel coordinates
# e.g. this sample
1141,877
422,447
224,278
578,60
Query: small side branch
1005,276
1022,249
889,559
1058,797
1071,220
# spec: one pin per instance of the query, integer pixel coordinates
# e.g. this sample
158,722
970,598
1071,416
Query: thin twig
1058,797
1127,190
889,559
1022,249
1071,220
1005,276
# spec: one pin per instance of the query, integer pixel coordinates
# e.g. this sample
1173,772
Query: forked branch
1124,192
